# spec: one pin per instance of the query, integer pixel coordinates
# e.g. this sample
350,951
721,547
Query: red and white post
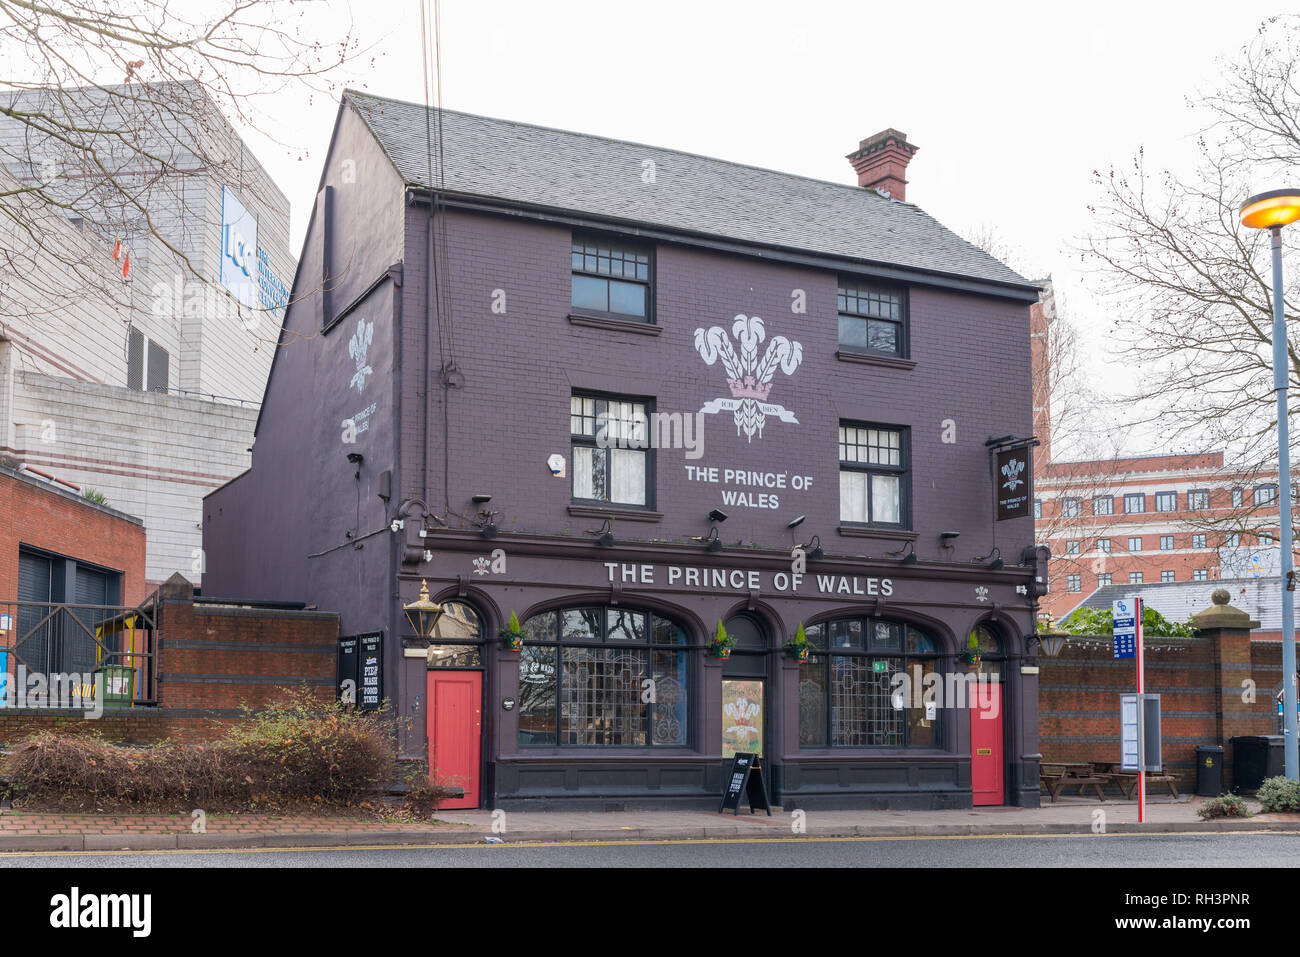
1141,717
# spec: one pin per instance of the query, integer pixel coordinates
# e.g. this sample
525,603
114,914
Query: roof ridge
650,146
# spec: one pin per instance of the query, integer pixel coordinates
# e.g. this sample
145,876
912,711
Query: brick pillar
1229,630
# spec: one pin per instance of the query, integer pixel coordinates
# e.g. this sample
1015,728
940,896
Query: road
1072,851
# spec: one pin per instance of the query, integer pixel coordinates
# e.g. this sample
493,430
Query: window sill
866,359
627,515
615,325
866,531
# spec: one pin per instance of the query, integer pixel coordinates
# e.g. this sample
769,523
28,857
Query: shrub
295,751
1225,805
1279,795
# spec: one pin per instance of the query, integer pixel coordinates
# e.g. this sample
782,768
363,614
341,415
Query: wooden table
1055,775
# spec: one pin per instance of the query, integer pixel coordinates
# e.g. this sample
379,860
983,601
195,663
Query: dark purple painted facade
306,524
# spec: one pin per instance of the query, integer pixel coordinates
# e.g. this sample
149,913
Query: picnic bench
1128,780
1057,775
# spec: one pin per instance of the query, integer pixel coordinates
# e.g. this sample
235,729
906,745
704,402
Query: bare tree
1196,283
104,104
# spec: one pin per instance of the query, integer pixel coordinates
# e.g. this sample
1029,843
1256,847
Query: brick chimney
881,160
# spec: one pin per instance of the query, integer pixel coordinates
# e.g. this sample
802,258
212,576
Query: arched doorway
454,713
745,699
985,653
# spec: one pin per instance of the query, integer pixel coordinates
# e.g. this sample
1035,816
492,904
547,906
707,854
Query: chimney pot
881,162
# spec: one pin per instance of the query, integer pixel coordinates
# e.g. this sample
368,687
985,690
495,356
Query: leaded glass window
598,676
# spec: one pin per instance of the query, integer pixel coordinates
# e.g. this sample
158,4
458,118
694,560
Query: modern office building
629,394
140,381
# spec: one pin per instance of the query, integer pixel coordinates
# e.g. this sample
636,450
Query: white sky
1013,105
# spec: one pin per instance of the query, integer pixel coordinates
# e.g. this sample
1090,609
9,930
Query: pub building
629,394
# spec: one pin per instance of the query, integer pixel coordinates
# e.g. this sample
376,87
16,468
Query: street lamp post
1272,211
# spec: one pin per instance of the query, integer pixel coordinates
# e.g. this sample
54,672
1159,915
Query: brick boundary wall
1200,681
213,660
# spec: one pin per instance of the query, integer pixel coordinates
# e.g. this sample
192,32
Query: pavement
27,831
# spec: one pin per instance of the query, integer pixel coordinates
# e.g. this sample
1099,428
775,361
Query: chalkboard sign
347,676
370,671
745,779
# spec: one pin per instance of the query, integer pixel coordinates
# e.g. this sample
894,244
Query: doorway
454,724
744,689
987,779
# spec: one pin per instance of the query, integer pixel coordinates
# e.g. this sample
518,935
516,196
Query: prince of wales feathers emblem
358,347
748,376
1012,471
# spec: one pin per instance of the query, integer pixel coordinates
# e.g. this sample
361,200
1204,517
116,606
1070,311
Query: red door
986,765
454,723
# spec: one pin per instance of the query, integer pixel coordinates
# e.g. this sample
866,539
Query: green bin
118,684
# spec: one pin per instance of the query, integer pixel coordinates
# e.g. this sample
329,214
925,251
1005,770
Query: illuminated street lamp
423,614
1272,211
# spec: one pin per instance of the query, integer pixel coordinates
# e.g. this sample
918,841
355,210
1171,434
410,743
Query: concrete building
142,384
471,407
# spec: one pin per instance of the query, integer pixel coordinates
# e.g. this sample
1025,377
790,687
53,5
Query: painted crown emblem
749,374
1012,471
482,565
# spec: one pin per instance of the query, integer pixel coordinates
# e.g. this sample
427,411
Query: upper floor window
1103,545
1266,538
1038,508
1166,501
610,442
1071,548
1103,579
1199,575
1135,544
1167,575
1103,505
1198,499
1198,541
1135,578
873,475
611,279
871,319
1266,495
1166,543
1074,583
1236,497
1135,502
1070,507
1232,540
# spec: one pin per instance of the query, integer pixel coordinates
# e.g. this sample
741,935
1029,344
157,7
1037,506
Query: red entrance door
986,765
454,723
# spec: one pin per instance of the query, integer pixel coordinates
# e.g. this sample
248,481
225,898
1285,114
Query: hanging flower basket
722,643
798,645
512,634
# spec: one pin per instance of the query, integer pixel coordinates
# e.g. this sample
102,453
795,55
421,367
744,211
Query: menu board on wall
370,670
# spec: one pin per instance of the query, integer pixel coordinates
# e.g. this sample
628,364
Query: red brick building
1142,519
57,544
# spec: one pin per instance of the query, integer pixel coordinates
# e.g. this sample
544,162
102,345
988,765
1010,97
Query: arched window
848,694
457,638
988,640
585,672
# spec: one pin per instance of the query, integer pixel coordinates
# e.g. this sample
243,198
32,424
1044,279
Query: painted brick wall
33,513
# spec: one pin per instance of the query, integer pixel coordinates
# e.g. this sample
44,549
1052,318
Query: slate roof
519,163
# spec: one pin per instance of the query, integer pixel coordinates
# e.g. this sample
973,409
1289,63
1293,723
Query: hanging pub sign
1011,492
370,671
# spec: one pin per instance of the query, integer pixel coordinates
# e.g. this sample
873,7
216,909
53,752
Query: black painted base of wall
698,786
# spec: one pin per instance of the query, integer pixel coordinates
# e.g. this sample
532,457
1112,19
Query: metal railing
52,652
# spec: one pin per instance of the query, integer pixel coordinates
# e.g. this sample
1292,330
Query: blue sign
1124,614
239,261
